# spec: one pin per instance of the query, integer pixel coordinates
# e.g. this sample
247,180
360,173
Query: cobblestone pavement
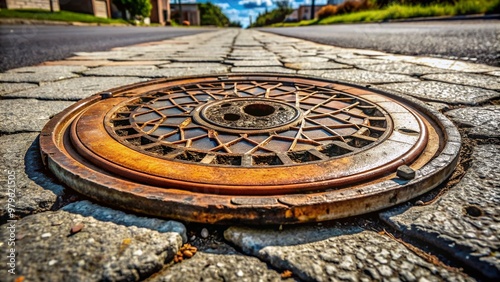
450,234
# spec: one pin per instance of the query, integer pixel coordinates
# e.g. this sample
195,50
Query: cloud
243,16
233,12
223,6
251,4
296,3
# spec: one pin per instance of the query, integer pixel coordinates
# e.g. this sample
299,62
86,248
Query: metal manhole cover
250,148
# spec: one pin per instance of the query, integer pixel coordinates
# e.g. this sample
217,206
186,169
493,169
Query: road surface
479,41
26,45
474,40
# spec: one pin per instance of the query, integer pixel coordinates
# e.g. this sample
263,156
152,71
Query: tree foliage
383,3
211,14
275,16
136,8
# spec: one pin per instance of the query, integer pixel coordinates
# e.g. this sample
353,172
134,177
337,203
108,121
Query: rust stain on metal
250,148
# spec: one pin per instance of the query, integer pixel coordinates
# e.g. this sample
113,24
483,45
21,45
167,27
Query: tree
283,5
211,14
275,16
136,8
235,24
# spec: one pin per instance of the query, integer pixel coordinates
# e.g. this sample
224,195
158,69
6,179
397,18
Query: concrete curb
9,21
450,18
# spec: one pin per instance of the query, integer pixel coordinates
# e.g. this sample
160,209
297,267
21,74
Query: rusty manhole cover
250,148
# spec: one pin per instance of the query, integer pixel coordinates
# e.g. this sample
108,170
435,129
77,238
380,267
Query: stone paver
363,52
6,88
261,54
153,71
137,71
253,63
402,68
204,59
359,76
315,66
304,59
338,254
105,55
86,208
75,88
36,191
465,222
102,251
219,267
41,74
495,73
480,122
357,61
263,69
18,115
452,65
444,92
477,80
193,66
97,63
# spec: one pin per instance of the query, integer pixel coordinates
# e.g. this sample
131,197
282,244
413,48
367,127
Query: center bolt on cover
250,148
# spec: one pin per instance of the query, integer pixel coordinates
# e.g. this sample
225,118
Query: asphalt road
475,40
26,45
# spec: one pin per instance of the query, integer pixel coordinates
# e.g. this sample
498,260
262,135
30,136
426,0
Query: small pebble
204,233
77,228
286,274
52,262
138,253
46,235
405,172
419,203
239,273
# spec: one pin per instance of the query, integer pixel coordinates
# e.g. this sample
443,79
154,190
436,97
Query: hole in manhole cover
250,148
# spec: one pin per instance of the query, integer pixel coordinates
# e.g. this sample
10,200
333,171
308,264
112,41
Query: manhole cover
250,148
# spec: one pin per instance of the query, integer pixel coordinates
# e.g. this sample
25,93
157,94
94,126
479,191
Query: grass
64,16
396,11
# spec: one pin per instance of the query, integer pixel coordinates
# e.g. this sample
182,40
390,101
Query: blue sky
242,10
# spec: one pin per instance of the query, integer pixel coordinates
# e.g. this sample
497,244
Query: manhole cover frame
200,206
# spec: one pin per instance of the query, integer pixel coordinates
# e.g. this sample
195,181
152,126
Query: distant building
186,12
31,4
161,15
304,12
293,17
98,8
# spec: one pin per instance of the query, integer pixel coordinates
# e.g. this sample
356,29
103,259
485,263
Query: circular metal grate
254,148
273,122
